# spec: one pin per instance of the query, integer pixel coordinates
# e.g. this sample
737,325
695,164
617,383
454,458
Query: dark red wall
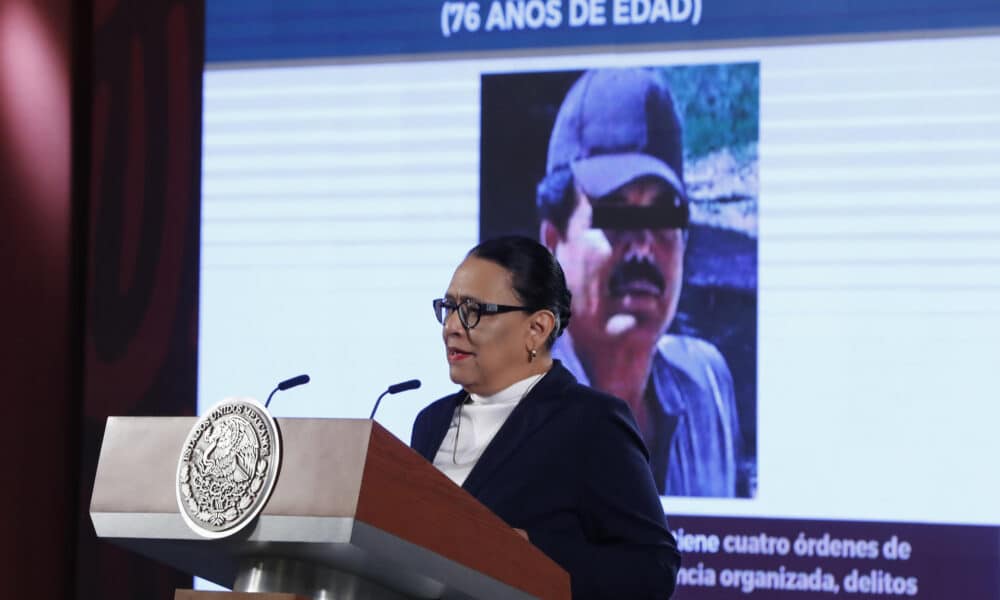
141,320
41,392
100,111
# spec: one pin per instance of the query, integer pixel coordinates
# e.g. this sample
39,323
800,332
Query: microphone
287,384
404,386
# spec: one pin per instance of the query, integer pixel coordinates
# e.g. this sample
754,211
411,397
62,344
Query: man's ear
549,235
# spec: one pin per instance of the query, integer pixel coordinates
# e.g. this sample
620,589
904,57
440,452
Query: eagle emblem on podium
227,467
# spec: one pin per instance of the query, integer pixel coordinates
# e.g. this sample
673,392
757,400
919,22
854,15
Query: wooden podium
355,513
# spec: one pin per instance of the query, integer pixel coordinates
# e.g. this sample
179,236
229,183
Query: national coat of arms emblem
227,467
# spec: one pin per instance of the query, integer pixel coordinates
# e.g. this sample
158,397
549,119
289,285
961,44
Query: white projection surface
337,200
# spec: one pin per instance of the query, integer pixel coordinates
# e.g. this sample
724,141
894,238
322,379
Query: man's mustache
635,269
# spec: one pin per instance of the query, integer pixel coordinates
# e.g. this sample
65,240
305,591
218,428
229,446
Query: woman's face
494,354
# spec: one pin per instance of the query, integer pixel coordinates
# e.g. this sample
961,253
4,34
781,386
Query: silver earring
532,354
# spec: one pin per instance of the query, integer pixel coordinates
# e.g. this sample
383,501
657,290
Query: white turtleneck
473,427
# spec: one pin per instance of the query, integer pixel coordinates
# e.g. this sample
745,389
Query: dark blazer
569,467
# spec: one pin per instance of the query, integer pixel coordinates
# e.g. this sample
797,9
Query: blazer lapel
436,425
544,401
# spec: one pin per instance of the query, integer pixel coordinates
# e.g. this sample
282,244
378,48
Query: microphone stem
271,395
374,408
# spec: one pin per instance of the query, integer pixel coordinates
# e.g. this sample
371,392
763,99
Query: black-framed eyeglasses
470,311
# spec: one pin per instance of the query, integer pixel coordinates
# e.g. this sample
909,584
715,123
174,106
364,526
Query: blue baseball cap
615,126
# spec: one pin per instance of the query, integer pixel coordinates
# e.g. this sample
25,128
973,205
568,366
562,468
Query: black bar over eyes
626,217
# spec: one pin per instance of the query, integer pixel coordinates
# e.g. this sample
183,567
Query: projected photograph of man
643,182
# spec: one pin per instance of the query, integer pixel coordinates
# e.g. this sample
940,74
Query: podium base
196,595
314,581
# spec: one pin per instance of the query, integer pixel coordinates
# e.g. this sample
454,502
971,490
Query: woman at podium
561,462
